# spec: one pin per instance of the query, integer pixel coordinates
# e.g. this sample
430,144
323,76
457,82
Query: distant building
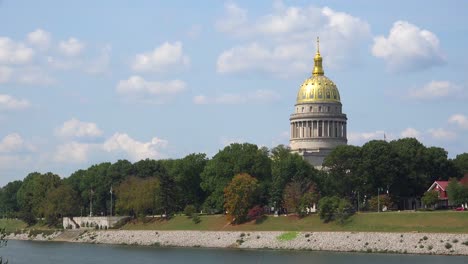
318,124
441,188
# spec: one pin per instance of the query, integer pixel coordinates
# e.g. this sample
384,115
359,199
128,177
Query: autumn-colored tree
239,196
382,200
137,196
292,197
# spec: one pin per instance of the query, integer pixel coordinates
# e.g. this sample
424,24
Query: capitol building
318,124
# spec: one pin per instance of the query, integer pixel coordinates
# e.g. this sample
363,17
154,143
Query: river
54,252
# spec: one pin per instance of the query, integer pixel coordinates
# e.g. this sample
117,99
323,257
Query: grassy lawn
12,225
441,221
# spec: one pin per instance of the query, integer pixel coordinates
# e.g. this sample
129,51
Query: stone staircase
69,235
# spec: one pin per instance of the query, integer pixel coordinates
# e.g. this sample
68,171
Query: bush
28,218
334,208
448,245
196,218
190,210
383,199
255,213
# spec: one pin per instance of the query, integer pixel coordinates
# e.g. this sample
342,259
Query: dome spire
318,69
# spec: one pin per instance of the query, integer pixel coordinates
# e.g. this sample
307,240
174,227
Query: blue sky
91,81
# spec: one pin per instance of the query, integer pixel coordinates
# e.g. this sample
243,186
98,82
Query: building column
344,134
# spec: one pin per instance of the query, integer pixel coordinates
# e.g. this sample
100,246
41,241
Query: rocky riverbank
411,243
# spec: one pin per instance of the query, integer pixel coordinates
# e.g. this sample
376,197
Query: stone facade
98,222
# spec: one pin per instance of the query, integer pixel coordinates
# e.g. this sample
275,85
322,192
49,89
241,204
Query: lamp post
111,201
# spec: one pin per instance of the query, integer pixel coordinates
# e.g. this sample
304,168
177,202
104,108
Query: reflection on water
53,252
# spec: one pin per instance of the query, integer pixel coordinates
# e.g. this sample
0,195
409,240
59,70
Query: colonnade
318,129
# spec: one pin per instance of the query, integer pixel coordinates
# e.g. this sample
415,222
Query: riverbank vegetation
276,180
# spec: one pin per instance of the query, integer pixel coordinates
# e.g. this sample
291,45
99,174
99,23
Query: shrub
190,210
288,236
429,247
425,237
455,240
255,213
331,208
196,218
383,199
28,218
448,245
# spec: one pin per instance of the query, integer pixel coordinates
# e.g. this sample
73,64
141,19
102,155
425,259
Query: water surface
55,252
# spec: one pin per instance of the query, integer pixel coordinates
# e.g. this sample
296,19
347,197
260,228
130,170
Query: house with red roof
441,188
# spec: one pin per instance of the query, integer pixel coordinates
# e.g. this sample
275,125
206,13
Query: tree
461,162
138,197
232,160
32,193
285,168
61,202
379,202
240,195
430,198
8,202
457,193
3,243
333,208
167,194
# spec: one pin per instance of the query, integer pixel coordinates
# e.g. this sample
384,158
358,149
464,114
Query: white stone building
318,124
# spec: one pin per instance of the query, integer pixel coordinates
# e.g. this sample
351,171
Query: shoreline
364,242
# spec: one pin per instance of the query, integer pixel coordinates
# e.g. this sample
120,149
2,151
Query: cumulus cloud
8,102
357,138
139,88
14,53
75,128
14,143
162,58
72,152
259,96
71,47
408,47
5,74
442,134
436,90
410,133
281,40
136,150
39,38
460,120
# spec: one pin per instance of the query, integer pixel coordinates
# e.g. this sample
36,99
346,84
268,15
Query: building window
320,109
311,109
302,109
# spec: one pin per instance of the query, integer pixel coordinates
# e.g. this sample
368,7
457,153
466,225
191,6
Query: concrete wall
103,222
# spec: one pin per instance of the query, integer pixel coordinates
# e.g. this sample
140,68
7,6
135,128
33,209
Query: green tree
61,202
457,193
32,193
430,198
167,194
240,195
333,208
461,162
8,202
138,197
379,202
285,168
3,243
232,160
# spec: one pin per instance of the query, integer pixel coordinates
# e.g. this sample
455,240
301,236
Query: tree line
238,178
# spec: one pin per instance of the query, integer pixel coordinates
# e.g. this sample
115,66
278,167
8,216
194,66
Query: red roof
443,184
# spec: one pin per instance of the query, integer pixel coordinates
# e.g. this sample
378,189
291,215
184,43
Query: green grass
12,225
433,222
287,236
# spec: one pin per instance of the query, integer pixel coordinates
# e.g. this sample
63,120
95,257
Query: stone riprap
413,243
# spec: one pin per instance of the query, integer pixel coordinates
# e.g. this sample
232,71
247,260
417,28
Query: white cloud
460,120
71,47
282,42
39,38
11,143
411,133
75,128
442,134
162,58
34,76
14,53
408,47
8,102
136,150
72,152
259,96
358,138
436,90
5,74
139,88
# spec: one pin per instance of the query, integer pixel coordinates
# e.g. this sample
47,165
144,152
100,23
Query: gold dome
318,88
